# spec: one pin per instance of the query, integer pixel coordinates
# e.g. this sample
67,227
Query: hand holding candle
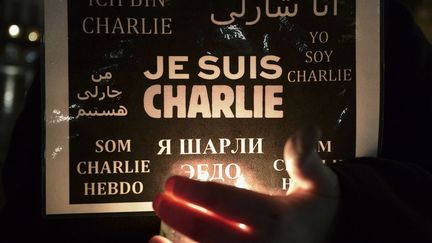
212,212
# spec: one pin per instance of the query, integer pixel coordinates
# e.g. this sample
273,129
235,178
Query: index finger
199,223
236,203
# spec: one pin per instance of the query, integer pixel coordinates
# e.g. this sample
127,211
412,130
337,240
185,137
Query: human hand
212,212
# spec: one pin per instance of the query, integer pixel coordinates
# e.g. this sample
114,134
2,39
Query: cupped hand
212,212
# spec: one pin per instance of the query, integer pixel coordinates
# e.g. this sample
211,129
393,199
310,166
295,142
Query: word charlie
222,100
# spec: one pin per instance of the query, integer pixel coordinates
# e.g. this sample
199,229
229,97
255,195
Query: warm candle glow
204,176
241,183
211,170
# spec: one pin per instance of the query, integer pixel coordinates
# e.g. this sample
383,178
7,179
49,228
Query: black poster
138,90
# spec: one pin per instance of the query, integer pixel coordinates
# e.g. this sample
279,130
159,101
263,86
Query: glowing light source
241,183
14,31
33,36
204,176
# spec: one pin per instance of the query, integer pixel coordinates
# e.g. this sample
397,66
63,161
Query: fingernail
170,184
156,203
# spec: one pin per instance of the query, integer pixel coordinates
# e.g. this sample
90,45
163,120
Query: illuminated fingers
304,164
236,203
212,212
199,223
302,161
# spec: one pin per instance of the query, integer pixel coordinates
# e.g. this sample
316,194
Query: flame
241,183
204,176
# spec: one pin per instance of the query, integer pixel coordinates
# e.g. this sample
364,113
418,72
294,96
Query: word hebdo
229,100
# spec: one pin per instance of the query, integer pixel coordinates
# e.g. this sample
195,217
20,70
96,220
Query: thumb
159,239
304,165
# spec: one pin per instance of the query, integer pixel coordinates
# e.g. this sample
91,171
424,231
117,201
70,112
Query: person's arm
388,199
407,89
212,212
383,201
370,200
380,200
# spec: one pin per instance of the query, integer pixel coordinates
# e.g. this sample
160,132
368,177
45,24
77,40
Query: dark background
19,52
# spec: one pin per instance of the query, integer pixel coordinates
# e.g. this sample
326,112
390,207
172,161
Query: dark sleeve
407,89
383,201
389,199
